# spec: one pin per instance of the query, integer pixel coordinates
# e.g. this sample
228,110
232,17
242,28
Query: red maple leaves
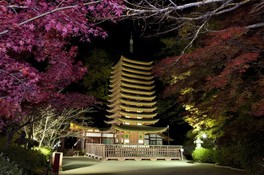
223,66
41,31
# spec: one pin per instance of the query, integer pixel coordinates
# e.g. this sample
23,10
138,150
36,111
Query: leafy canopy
37,58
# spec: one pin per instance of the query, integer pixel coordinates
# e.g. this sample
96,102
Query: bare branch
142,9
51,126
164,16
255,25
194,37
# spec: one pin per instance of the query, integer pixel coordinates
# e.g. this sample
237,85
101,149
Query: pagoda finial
131,43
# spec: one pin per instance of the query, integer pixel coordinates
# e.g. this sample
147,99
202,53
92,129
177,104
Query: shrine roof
139,128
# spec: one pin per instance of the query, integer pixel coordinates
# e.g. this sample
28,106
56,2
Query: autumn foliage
220,86
37,58
222,65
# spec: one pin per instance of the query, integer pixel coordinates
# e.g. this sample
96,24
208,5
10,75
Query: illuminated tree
51,126
220,85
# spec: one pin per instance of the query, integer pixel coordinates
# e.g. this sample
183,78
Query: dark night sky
118,38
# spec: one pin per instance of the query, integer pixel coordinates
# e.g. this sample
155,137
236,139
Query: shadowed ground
86,166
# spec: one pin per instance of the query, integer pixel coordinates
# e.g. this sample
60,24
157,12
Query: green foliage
8,168
99,70
169,108
204,155
31,161
223,95
187,30
45,151
243,147
252,154
171,47
229,156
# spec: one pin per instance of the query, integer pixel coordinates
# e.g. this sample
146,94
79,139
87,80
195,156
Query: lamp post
168,126
198,141
181,151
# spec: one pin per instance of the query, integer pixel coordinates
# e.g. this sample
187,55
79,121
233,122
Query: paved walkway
86,166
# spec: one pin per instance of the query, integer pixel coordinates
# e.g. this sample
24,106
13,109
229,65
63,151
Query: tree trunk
9,137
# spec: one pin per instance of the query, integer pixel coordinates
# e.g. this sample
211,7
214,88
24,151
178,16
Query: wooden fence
134,152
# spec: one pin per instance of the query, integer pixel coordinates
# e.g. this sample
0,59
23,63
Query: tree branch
255,25
173,8
169,13
50,12
195,36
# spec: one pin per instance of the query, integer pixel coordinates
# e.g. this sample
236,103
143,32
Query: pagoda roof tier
116,76
125,62
139,128
118,121
126,69
117,97
113,122
120,79
115,86
137,109
135,81
131,97
115,103
134,64
137,86
129,85
114,115
147,121
141,98
136,61
129,65
131,109
131,115
137,115
132,81
118,64
116,70
131,103
131,91
113,110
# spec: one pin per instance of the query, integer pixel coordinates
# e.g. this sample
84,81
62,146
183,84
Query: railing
136,152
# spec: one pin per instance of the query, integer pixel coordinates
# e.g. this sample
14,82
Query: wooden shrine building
131,116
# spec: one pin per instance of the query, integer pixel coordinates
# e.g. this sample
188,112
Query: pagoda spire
131,44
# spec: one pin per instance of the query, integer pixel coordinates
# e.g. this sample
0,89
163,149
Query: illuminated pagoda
132,104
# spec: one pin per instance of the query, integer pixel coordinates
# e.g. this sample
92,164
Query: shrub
45,151
230,156
31,161
204,155
7,167
252,154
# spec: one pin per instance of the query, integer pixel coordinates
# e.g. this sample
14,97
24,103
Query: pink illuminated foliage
38,32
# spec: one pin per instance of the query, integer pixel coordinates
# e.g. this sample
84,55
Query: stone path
85,166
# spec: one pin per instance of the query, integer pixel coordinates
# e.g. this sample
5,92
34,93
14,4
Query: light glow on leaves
176,78
186,91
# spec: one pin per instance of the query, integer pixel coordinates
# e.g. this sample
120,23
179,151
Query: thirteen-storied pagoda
132,105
